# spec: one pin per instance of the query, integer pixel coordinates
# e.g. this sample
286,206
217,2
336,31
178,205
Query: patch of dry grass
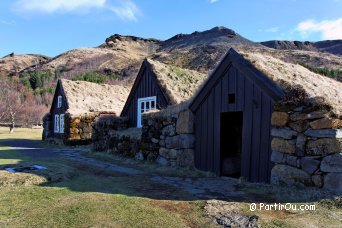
85,97
178,84
27,133
316,86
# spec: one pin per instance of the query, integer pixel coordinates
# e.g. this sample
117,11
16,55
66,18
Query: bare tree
12,101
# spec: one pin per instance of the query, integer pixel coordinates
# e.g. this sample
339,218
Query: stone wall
78,129
46,126
165,138
306,149
104,129
168,138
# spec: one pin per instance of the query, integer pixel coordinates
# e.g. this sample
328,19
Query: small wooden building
74,107
158,85
254,111
232,128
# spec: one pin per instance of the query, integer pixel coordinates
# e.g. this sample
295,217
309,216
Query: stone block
277,157
154,140
161,161
309,164
287,175
152,156
282,146
279,119
323,147
169,130
309,116
300,145
169,154
326,122
186,158
315,115
317,180
185,123
283,133
324,133
332,163
139,156
162,143
291,160
180,142
299,125
333,182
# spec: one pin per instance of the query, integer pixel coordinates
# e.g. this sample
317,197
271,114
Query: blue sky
51,27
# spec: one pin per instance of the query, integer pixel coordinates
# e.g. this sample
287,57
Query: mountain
118,59
329,46
201,50
12,63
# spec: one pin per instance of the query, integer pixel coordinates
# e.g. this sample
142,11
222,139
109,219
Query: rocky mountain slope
12,63
329,46
121,56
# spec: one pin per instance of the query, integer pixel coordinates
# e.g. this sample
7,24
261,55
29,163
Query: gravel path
222,187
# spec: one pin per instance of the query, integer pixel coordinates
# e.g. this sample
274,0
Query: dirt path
200,187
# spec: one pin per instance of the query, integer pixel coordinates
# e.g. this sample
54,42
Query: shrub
331,73
95,77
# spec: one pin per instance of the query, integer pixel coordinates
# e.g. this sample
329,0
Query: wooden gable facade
58,107
145,86
233,120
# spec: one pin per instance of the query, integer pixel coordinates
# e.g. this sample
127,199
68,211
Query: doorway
231,143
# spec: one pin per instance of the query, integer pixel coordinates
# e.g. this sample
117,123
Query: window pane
147,106
153,105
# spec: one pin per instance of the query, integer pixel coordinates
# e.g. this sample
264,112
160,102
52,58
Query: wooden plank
210,132
240,91
203,136
232,87
217,129
265,139
256,134
225,80
198,138
270,164
247,131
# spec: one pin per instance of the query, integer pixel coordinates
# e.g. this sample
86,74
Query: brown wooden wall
256,106
54,110
146,86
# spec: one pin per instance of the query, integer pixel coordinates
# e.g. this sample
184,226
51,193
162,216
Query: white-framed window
61,123
144,105
59,102
56,128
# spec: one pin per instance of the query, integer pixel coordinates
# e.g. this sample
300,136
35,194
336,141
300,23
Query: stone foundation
168,139
306,149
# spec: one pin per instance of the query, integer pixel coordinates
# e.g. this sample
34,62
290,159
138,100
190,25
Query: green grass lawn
75,195
72,194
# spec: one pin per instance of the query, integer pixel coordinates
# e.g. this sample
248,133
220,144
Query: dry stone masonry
168,139
164,138
306,149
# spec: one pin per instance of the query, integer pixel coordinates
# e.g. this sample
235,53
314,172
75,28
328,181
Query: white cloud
51,6
329,29
213,1
126,10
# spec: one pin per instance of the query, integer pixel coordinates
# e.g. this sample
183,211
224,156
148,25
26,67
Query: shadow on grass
81,177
